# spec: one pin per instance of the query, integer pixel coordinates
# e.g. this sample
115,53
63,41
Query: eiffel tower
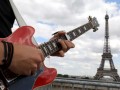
107,56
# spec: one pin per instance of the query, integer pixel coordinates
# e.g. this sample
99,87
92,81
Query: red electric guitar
23,35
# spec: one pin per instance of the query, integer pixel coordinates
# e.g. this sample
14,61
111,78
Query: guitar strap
19,18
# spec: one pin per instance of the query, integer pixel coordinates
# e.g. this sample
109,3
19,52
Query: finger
38,57
39,66
41,55
61,53
63,44
33,70
69,44
59,33
28,72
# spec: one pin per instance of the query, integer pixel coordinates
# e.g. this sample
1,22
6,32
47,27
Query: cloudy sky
49,16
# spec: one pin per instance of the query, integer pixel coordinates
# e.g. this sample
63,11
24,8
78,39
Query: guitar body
23,35
41,78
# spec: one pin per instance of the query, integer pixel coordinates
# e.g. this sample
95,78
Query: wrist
7,55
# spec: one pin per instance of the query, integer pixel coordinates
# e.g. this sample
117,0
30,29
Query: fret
67,37
89,25
70,35
52,48
79,31
84,27
54,44
42,49
46,49
47,45
74,34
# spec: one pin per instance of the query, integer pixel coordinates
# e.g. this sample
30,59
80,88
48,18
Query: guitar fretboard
73,34
52,46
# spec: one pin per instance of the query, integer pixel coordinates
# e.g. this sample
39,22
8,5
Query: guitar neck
52,46
73,34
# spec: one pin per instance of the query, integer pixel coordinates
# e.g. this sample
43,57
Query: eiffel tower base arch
112,73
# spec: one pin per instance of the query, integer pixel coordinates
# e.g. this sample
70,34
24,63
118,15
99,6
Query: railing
81,84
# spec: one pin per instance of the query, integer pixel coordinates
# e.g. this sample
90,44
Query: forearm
1,52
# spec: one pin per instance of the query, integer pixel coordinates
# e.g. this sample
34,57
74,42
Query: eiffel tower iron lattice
107,56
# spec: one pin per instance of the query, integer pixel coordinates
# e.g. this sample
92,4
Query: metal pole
20,19
83,87
72,86
61,85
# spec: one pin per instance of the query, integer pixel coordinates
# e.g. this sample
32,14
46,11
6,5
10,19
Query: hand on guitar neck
66,44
